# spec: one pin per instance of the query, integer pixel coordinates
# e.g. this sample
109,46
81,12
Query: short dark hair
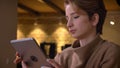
91,7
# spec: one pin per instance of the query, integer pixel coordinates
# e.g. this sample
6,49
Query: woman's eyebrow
73,13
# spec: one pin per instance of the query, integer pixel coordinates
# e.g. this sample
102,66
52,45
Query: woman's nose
69,23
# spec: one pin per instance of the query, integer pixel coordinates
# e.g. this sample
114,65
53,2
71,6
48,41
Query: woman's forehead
70,9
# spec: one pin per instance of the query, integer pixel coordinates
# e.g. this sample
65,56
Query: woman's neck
87,40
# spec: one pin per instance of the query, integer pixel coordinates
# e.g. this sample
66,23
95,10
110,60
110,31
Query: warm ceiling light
41,1
35,24
112,22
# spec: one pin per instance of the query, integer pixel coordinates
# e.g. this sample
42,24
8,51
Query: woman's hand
18,59
53,63
24,65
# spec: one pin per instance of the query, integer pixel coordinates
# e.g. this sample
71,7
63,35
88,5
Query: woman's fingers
24,65
17,54
17,58
45,67
53,63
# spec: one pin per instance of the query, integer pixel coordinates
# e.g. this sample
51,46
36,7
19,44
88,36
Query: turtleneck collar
86,51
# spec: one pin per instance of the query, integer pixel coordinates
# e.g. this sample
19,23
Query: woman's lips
72,31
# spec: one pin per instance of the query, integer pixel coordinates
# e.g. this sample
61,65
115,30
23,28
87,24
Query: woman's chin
74,36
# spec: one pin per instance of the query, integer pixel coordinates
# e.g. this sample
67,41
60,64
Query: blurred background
44,20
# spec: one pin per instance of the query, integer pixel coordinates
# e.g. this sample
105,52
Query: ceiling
29,10
40,7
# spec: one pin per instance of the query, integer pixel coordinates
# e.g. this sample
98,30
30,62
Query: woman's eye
76,17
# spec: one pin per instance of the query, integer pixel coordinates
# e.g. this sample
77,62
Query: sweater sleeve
59,59
111,58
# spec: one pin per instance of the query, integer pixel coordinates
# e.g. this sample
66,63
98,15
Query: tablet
30,52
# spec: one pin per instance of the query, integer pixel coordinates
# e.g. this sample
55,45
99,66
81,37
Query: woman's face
79,24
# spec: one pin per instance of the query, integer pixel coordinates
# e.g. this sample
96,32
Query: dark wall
8,22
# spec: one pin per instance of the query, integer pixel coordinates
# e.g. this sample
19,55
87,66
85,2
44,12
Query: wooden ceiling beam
52,5
28,9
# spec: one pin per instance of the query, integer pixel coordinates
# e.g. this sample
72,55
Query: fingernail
48,59
43,67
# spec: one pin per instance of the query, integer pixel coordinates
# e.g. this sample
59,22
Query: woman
85,21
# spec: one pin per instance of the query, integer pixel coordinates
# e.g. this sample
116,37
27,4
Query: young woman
85,21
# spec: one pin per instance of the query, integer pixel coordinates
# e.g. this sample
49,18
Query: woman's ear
95,19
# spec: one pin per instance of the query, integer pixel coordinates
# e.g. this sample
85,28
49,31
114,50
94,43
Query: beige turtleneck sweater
97,54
